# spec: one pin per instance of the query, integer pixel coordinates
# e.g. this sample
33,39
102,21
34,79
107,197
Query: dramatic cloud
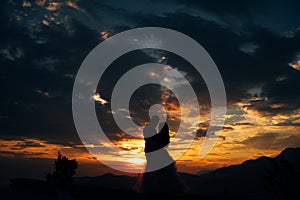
295,64
255,45
272,141
98,98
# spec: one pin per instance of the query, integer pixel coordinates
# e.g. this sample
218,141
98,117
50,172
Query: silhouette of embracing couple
153,140
156,179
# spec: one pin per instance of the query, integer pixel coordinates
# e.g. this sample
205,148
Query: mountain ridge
253,179
242,181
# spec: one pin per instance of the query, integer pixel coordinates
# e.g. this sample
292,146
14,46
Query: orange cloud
105,34
97,97
295,65
53,6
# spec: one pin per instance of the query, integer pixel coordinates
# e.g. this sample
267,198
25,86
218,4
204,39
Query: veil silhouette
165,180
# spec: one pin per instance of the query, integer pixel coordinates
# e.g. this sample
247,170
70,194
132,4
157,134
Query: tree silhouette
64,170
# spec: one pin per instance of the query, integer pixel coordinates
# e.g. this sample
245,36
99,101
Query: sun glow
243,130
137,161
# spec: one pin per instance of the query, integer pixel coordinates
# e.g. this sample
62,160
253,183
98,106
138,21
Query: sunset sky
255,45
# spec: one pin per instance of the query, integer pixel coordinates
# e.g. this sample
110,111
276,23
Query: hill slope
253,179
262,178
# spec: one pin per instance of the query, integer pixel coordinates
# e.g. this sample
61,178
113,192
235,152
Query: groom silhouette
153,140
166,179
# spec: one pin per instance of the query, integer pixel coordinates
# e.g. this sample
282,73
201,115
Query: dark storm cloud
36,57
241,71
37,92
223,13
37,80
277,15
247,56
228,8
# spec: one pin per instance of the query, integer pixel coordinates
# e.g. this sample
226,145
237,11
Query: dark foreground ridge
89,192
263,178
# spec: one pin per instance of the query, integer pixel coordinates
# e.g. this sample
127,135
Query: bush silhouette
61,177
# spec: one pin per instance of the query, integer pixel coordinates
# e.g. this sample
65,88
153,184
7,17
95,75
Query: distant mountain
264,178
290,154
253,179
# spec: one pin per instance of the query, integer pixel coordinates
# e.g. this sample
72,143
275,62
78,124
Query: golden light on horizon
257,133
137,161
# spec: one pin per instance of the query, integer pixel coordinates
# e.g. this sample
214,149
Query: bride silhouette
165,180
